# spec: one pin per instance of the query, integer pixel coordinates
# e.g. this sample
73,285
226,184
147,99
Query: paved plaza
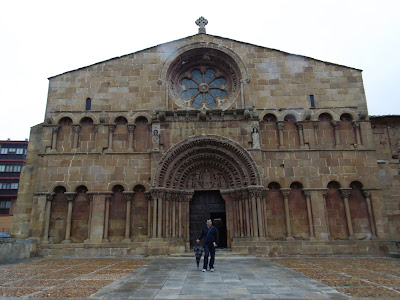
179,278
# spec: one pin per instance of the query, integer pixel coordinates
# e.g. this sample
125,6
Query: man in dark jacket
211,240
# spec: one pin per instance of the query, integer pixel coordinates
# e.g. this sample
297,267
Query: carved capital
131,127
345,193
56,128
70,196
111,128
367,194
299,126
280,125
90,197
315,124
96,128
50,197
77,128
285,193
128,196
356,124
335,124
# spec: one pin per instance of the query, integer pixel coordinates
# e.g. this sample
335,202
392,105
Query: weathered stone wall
16,249
134,121
386,135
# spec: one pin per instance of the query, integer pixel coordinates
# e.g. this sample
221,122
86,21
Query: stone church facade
136,152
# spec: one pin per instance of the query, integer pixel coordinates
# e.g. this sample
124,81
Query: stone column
173,217
240,201
128,197
70,198
49,199
167,214
111,129
247,210
96,133
180,219
235,209
357,129
265,212
187,213
252,195
335,125
149,215
107,218
368,199
285,195
154,225
90,217
346,195
315,125
159,216
325,195
259,213
309,215
131,130
76,129
56,130
301,134
280,134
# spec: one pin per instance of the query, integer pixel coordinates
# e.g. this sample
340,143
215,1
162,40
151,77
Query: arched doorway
207,205
203,177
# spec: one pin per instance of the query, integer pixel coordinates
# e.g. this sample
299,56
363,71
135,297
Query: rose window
203,87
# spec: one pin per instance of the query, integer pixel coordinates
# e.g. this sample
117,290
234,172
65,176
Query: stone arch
316,115
269,137
172,55
86,134
145,185
80,215
298,211
268,117
52,188
359,211
141,114
142,137
117,216
335,212
275,212
139,211
62,116
113,184
326,134
206,151
65,135
120,136
88,115
58,215
347,134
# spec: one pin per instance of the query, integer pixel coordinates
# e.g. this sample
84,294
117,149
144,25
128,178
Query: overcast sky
40,39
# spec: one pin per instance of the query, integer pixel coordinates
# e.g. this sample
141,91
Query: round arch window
204,79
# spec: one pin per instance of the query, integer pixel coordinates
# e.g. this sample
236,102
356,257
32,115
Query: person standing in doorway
211,240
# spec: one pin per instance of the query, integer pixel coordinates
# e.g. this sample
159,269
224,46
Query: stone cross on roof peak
202,22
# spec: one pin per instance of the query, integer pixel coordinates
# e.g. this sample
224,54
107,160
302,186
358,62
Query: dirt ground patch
63,278
356,277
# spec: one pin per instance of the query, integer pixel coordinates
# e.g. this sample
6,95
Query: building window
4,150
10,168
12,150
20,150
8,186
312,103
203,86
88,104
5,204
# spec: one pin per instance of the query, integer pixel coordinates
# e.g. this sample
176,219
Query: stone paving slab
233,278
178,278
